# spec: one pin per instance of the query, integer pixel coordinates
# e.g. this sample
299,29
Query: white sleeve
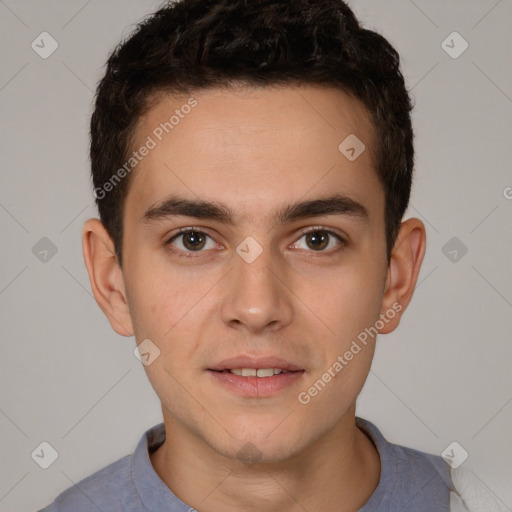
471,495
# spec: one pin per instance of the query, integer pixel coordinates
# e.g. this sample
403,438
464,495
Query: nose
256,297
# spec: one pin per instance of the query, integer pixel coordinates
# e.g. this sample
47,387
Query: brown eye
320,240
317,240
191,240
194,240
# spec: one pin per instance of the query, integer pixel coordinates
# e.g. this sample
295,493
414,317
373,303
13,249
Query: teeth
260,372
265,372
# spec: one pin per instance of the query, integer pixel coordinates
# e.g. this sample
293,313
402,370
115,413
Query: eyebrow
337,204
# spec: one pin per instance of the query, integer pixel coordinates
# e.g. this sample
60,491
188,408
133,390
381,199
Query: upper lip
255,362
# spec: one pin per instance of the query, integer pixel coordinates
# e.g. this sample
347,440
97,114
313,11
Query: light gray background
68,379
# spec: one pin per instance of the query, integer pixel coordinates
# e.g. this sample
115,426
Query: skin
257,150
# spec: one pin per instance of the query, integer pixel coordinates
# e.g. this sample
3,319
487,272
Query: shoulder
406,462
103,490
410,479
115,487
418,465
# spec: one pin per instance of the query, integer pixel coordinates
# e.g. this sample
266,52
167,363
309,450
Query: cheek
157,292
360,310
155,303
353,307
347,301
350,310
170,308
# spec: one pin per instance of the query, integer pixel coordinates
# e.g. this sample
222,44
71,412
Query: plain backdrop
67,379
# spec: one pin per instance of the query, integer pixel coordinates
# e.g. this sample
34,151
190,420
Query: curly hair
190,45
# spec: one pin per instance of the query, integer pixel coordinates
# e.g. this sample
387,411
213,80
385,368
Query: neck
338,471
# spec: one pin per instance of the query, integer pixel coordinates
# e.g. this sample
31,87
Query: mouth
248,365
260,377
256,372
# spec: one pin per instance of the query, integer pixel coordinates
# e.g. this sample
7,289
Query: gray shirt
410,481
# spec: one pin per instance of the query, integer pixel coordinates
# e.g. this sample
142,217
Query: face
231,260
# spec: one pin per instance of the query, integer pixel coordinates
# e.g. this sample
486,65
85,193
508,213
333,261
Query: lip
255,387
256,362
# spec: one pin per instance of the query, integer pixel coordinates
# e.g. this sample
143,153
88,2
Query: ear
404,267
105,276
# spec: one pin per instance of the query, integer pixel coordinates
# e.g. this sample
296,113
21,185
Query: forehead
252,147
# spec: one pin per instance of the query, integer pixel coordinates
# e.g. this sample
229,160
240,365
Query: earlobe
404,267
105,276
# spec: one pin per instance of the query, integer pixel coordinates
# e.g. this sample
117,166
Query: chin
262,448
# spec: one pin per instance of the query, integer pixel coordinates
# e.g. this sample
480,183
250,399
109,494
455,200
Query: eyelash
190,254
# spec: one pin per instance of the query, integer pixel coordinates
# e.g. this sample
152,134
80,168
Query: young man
252,162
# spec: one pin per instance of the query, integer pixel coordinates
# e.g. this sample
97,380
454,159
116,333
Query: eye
190,240
320,239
